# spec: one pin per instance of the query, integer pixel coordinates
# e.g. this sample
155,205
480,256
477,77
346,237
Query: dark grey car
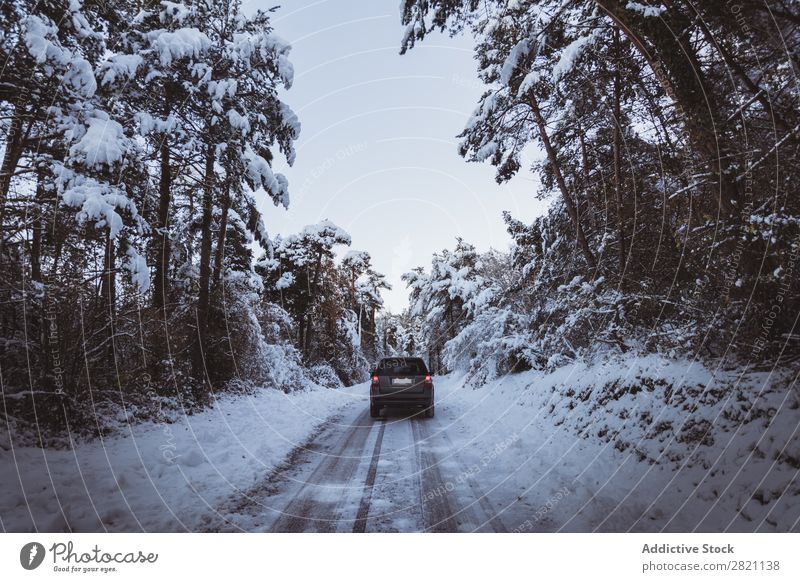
401,382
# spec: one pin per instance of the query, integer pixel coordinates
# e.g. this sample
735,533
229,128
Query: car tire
374,411
429,411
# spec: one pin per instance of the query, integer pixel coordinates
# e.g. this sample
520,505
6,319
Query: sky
377,152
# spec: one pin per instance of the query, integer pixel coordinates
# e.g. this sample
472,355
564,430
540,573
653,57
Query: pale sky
377,153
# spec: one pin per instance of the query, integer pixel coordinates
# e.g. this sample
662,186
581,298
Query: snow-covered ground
160,477
639,444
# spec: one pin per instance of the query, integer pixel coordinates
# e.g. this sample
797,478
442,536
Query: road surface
489,461
399,473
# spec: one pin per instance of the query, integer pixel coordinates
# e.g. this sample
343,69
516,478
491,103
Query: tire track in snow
360,525
395,499
434,504
318,504
256,501
491,517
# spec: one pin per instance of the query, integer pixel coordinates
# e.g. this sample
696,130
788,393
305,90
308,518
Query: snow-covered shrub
324,375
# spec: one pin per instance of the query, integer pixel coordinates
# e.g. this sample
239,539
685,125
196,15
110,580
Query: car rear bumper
424,399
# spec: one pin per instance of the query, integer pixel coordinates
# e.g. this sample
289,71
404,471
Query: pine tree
653,142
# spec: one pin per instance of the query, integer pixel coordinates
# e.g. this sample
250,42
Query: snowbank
645,444
161,477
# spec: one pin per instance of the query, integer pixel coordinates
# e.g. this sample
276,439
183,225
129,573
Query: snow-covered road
483,464
537,451
369,475
398,473
512,456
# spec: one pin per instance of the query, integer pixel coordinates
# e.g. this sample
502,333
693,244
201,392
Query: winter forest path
502,457
399,473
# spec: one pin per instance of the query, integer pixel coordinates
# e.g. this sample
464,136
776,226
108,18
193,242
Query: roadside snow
632,444
642,444
161,477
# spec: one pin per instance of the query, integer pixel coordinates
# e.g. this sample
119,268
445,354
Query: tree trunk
219,254
190,194
562,186
36,230
108,287
673,60
353,300
203,299
108,294
309,323
13,143
161,279
587,190
36,262
617,157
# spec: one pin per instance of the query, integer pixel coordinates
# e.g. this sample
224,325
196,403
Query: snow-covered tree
296,271
335,307
441,297
652,141
365,285
139,138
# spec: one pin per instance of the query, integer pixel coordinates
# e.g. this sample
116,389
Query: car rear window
402,367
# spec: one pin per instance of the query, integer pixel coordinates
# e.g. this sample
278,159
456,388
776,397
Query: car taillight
375,380
428,379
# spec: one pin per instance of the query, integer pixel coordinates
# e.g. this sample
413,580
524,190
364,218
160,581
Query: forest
670,141
138,138
136,268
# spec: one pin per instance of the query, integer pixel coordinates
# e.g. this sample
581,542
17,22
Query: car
402,382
